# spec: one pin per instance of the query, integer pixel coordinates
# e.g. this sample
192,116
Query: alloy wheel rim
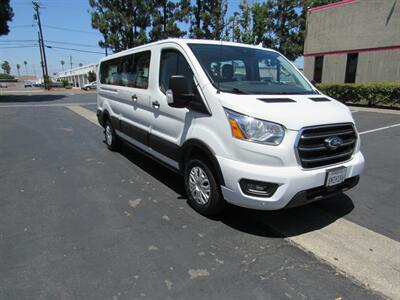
199,185
108,135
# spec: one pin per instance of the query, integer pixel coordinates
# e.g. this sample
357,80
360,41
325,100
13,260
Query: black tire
113,142
215,203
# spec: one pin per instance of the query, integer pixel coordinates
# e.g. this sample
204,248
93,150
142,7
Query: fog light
258,188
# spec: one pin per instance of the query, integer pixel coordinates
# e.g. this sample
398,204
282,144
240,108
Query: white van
239,122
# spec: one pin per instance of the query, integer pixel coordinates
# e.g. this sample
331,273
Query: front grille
313,151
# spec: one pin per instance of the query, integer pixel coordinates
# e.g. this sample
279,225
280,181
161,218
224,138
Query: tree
6,67
6,15
122,23
277,24
233,27
245,22
260,16
165,16
80,64
62,64
91,76
208,19
18,67
26,69
283,27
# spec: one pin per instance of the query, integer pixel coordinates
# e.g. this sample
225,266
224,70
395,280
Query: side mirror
178,93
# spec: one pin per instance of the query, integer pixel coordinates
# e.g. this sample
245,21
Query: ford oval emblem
333,142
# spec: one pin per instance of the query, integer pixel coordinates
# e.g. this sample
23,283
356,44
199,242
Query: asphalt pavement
80,222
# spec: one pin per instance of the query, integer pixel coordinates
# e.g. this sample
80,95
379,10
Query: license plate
335,176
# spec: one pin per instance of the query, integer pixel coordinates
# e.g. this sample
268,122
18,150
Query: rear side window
130,70
174,63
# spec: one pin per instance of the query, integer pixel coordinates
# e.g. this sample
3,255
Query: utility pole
41,58
36,7
70,61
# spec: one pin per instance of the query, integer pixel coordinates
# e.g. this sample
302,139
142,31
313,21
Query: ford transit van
239,122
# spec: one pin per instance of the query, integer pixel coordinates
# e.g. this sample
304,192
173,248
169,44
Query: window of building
174,63
318,66
130,70
351,68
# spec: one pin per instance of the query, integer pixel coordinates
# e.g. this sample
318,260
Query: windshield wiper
234,90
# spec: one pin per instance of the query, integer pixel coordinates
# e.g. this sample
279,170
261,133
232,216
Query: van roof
181,41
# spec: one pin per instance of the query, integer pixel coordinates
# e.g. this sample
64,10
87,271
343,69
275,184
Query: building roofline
326,6
386,48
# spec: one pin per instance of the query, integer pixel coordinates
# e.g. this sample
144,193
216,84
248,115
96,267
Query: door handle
155,104
134,98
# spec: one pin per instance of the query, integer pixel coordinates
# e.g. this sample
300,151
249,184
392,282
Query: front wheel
202,189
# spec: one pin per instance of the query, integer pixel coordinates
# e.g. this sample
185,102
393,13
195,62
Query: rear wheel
111,138
202,188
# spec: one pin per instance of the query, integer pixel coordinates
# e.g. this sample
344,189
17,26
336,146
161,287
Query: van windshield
243,70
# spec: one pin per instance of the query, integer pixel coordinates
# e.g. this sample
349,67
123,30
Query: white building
78,77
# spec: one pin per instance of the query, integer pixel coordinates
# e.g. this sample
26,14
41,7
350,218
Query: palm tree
6,67
26,69
81,64
62,64
18,67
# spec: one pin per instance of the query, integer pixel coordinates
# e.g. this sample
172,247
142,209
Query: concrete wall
334,68
309,67
355,25
378,66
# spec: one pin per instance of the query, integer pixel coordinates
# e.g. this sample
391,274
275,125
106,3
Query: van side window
130,70
174,63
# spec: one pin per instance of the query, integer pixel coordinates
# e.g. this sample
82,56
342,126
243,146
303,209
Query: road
80,222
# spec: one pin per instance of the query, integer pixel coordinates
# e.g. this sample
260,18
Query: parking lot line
47,104
374,110
379,129
361,254
84,112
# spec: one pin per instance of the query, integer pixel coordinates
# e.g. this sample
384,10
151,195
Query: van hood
292,111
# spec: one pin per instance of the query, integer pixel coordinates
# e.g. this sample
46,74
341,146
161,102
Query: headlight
254,130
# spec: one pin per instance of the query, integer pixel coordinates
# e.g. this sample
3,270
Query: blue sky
71,14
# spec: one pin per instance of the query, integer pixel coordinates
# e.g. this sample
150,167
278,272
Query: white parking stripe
84,112
376,110
47,104
379,129
361,254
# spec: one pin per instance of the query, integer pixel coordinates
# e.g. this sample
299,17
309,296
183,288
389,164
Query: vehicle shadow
274,224
30,98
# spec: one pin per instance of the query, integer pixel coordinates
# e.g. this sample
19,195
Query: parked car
89,86
3,85
28,84
239,122
56,84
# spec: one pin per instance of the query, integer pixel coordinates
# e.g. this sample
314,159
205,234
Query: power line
74,44
50,41
73,49
70,29
22,26
13,47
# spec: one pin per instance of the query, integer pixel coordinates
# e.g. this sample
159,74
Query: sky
66,24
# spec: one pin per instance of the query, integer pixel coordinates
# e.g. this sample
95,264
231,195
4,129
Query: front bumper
296,186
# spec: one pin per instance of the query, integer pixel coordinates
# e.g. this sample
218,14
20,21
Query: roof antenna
219,67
